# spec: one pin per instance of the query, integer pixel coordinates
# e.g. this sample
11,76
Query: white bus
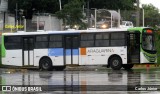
115,48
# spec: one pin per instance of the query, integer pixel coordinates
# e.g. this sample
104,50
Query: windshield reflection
148,42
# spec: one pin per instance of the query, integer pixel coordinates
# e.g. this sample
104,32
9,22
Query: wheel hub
115,62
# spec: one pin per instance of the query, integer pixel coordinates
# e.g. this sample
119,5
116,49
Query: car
126,24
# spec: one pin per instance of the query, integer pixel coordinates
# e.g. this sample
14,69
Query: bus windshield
148,42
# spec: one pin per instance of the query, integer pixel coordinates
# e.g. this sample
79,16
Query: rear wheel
116,63
46,64
127,66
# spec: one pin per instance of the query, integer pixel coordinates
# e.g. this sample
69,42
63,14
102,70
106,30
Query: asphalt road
137,81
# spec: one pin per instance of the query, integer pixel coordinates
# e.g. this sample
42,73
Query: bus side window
41,41
87,40
13,42
55,41
118,39
102,40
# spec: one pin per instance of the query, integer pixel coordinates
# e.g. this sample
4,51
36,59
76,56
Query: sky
156,3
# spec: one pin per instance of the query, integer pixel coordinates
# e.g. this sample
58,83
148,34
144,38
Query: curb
146,66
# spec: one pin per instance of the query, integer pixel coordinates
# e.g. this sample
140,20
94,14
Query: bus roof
138,28
66,32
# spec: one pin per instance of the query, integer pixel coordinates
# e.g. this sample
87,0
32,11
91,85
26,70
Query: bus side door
27,53
134,47
71,49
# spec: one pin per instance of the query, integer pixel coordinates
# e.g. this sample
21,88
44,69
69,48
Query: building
3,10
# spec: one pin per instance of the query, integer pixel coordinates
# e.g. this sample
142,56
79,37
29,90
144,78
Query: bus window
102,40
87,40
55,41
118,39
41,42
12,42
147,42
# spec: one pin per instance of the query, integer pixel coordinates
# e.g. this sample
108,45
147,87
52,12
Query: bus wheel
59,68
46,64
127,66
116,63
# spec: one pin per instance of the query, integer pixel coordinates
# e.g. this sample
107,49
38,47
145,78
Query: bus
115,48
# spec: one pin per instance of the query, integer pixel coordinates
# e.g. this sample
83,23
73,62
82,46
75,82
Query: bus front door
71,50
134,47
28,45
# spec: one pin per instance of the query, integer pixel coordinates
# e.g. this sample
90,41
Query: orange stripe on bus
83,51
83,87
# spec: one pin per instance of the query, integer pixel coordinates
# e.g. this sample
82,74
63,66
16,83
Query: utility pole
137,17
60,6
4,21
16,14
16,20
88,14
95,17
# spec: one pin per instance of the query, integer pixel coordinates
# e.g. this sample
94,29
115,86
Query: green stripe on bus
3,50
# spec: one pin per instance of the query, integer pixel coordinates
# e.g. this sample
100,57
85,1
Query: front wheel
46,64
116,63
127,66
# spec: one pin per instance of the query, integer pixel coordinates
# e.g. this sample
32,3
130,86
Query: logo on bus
99,50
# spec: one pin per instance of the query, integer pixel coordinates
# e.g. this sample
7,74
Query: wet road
83,82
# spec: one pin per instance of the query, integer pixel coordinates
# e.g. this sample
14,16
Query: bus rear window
12,42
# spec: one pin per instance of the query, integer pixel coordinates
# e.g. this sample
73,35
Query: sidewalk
137,66
82,68
95,68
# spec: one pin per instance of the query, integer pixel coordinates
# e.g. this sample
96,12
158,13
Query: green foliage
151,14
157,40
0,56
52,6
112,4
72,13
34,6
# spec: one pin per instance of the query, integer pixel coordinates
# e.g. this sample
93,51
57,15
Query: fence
38,22
99,18
114,17
1,25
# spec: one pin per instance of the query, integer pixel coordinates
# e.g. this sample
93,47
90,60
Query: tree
72,13
151,14
112,4
52,6
31,6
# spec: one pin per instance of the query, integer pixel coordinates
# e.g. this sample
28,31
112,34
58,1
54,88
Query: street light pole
143,17
60,6
119,18
137,17
24,23
16,20
88,14
95,17
111,20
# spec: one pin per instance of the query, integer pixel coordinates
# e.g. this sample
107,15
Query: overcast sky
156,3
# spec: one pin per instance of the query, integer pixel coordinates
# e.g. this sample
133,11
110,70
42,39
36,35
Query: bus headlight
150,58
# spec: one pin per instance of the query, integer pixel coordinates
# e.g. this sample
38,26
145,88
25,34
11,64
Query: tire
46,64
59,68
127,66
116,63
